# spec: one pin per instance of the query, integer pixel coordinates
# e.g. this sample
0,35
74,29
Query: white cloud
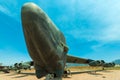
111,33
103,19
11,8
4,10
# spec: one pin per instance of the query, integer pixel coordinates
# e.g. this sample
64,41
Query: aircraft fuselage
45,43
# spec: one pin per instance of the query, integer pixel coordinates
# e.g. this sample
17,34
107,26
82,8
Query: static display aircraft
97,63
101,63
19,66
112,64
4,69
46,43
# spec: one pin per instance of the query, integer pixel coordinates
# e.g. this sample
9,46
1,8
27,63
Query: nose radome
31,8
28,6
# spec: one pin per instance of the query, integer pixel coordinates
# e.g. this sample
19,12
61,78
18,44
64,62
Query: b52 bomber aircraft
46,43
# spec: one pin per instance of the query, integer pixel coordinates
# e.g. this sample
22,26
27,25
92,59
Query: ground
81,75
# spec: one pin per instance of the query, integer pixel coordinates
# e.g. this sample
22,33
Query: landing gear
66,73
18,71
52,77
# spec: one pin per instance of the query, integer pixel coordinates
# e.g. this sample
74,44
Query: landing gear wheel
18,71
52,77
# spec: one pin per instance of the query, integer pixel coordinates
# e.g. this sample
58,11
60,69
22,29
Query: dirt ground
30,75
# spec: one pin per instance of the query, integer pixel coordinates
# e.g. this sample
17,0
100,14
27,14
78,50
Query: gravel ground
30,75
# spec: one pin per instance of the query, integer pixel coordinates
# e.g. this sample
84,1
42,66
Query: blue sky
91,28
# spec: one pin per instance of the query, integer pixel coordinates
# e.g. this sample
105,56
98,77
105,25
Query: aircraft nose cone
30,7
30,11
29,4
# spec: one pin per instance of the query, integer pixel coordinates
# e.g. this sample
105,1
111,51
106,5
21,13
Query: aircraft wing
72,59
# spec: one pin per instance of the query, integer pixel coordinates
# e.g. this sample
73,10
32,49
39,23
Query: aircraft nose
37,32
29,11
29,5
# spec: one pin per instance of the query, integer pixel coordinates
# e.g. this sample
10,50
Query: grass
84,68
113,68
